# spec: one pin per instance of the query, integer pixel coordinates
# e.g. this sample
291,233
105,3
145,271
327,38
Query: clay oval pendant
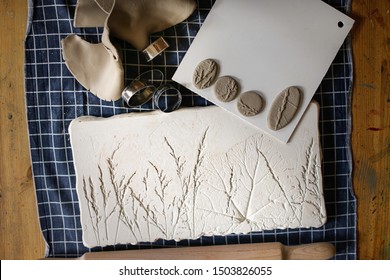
226,89
205,73
284,108
250,104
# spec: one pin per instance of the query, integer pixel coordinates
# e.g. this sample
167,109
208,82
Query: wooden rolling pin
256,251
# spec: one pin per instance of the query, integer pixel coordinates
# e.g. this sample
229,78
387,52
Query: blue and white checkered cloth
55,98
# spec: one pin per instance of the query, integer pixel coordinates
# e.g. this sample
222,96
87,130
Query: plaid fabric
55,98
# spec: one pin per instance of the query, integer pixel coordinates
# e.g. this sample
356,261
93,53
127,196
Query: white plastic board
194,172
268,45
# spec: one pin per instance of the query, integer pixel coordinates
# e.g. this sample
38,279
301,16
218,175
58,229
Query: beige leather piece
94,67
90,14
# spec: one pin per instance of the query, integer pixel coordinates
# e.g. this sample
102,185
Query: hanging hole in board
340,24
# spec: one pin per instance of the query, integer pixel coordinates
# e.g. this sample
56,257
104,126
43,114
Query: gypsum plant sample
194,172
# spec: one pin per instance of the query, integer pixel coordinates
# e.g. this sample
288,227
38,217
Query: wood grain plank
371,124
20,235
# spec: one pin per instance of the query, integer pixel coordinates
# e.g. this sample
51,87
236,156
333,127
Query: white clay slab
194,172
267,46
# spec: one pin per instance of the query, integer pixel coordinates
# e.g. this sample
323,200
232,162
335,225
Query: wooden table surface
20,236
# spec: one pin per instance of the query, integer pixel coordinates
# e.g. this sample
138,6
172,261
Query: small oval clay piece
226,89
205,74
250,104
284,108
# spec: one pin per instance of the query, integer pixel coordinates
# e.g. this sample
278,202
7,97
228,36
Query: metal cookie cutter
155,48
167,98
142,88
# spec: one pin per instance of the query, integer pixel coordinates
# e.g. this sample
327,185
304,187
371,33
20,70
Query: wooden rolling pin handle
314,251
256,251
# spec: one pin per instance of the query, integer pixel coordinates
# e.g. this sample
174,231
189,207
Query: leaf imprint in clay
203,172
284,108
250,104
226,89
205,74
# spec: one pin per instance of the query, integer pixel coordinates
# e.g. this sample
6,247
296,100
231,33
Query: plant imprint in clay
205,74
226,89
191,173
284,108
250,104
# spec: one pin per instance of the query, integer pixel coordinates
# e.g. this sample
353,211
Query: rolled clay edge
98,13
106,36
183,16
106,90
105,5
112,28
82,58
89,13
139,38
191,7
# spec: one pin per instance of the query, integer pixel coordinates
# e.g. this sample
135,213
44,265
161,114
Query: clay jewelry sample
142,88
226,89
167,98
250,104
284,108
205,74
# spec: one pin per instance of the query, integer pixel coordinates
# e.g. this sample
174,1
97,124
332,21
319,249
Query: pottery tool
167,98
155,49
256,251
267,46
149,85
141,89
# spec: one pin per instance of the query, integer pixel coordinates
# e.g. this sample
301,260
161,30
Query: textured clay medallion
250,104
226,89
205,74
284,108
